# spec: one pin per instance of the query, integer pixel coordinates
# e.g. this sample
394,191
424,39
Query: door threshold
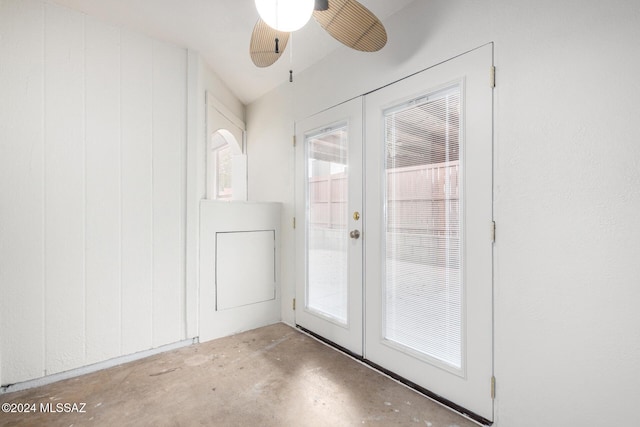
425,392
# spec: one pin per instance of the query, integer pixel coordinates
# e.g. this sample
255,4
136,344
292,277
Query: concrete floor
272,376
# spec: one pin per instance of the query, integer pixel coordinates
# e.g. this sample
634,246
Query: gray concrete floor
272,376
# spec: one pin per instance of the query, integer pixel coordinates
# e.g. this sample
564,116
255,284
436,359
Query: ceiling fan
347,21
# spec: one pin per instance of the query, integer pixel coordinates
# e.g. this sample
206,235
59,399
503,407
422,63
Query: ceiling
220,31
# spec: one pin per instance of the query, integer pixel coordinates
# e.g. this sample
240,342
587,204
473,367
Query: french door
428,230
329,287
419,302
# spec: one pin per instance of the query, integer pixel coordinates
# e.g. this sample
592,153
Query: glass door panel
326,225
423,284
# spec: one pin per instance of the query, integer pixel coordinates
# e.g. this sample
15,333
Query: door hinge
294,222
294,304
493,387
493,231
294,140
492,77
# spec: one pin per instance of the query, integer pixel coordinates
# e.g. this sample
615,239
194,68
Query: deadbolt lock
356,215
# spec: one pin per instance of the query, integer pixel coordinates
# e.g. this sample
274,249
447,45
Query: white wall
92,191
566,191
271,177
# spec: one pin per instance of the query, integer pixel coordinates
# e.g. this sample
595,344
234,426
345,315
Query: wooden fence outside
423,212
422,199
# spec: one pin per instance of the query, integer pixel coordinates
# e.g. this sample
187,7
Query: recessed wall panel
245,268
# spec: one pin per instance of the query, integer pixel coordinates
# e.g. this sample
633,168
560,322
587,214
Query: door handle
355,234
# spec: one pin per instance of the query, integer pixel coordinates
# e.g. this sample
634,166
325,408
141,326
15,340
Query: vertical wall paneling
21,191
64,189
194,105
93,139
136,107
169,133
102,145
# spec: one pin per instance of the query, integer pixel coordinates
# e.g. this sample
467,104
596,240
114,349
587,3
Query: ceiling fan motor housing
321,5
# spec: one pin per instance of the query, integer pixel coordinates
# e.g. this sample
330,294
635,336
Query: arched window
226,162
226,167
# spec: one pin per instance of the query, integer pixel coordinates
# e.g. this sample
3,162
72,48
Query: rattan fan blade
353,25
263,44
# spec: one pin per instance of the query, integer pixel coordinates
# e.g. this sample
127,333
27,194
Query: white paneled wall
92,182
169,102
64,212
103,192
21,191
136,55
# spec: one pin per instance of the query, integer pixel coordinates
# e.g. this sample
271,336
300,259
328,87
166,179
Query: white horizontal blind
423,292
327,238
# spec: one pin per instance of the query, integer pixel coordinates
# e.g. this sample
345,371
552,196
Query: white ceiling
220,30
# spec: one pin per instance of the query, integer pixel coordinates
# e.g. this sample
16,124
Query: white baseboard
38,382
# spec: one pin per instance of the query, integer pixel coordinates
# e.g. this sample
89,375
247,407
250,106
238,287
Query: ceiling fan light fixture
285,15
321,5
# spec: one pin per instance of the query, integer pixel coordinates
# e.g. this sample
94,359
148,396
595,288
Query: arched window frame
222,142
224,132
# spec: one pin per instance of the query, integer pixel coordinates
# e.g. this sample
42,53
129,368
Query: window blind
423,287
